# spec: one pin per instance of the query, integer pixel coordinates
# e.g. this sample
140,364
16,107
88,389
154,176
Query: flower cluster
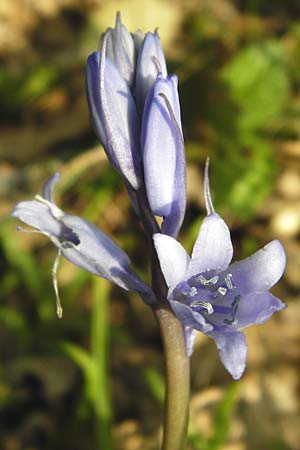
135,112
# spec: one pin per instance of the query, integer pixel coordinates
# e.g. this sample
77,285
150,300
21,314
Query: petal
114,117
233,351
257,308
190,336
261,271
173,258
49,186
151,62
213,247
163,154
38,215
99,254
190,318
121,50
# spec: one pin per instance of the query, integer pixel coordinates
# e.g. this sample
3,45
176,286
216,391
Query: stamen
222,291
24,230
212,281
234,308
202,304
193,291
59,310
228,281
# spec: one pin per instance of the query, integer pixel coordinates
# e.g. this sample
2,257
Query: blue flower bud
163,154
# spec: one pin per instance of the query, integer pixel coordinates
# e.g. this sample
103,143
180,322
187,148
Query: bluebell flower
209,295
151,62
121,50
80,242
163,154
113,114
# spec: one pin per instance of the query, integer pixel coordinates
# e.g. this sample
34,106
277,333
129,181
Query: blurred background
94,380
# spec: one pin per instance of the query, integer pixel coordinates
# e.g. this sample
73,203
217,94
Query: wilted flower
210,296
80,242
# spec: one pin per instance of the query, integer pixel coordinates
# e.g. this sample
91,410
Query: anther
222,291
193,291
202,304
228,281
211,282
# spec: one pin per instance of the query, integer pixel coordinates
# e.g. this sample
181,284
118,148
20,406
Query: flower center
212,295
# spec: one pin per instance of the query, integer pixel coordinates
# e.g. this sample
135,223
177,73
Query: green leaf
258,82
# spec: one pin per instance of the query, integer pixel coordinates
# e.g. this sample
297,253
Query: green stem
177,380
100,352
177,364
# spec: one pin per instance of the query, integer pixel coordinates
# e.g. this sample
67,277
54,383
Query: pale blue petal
151,61
190,336
38,215
49,186
259,272
213,247
114,117
233,351
190,318
163,154
257,308
173,258
121,50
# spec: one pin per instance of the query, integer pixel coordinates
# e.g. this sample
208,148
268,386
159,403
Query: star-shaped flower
209,295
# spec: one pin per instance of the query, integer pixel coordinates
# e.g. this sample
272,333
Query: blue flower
163,154
121,50
80,242
113,115
151,62
209,295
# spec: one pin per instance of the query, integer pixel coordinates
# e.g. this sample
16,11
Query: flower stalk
177,376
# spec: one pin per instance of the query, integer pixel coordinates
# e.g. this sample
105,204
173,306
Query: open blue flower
80,242
209,295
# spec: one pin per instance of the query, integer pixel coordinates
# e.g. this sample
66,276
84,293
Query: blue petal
151,62
261,271
163,154
114,117
233,351
38,215
257,308
49,187
213,247
190,335
190,318
172,257
121,50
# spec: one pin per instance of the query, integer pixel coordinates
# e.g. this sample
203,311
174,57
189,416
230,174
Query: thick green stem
177,381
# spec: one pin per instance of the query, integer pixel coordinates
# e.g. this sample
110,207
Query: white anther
209,282
193,292
222,291
228,281
205,305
